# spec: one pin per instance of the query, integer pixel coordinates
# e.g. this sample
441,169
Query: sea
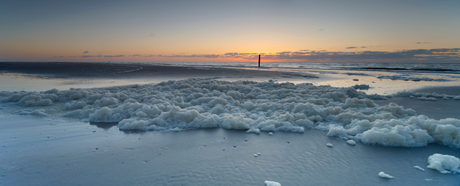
402,76
452,68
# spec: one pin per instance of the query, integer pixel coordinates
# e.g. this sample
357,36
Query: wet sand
41,76
120,71
54,151
37,151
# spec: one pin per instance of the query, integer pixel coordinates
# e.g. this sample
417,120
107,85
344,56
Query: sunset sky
227,31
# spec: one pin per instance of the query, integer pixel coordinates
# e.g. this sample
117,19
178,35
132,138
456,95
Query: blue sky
162,31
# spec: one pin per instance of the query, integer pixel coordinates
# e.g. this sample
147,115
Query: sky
230,31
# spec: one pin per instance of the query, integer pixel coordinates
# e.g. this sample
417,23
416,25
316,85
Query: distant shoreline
122,70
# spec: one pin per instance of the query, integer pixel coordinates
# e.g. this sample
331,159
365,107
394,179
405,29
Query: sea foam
243,105
444,163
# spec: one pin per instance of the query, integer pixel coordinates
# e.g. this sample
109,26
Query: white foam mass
243,105
445,164
428,96
253,130
383,175
419,168
351,142
272,183
407,77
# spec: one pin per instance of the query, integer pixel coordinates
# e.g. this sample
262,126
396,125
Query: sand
55,151
123,71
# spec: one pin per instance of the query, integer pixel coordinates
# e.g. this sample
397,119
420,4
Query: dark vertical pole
259,61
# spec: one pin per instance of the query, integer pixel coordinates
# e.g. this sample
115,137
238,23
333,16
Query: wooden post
259,61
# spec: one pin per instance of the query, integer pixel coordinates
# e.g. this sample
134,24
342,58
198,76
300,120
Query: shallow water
27,82
383,81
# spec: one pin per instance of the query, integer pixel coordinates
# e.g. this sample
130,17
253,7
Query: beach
238,135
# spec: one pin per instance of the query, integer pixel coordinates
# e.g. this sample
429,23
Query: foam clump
407,77
361,87
253,130
242,105
351,142
419,168
383,175
428,96
445,164
272,183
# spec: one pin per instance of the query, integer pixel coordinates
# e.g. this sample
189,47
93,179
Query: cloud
114,56
85,52
151,35
299,53
352,47
321,29
58,56
414,55
446,54
233,54
91,55
452,54
420,43
195,55
140,55
284,53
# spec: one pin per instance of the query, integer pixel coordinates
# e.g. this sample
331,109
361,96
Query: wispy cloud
85,52
447,54
92,55
403,55
140,55
114,55
439,54
420,43
194,55
151,35
352,47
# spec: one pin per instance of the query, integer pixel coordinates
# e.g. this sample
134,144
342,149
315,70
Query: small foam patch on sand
272,183
445,164
383,175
